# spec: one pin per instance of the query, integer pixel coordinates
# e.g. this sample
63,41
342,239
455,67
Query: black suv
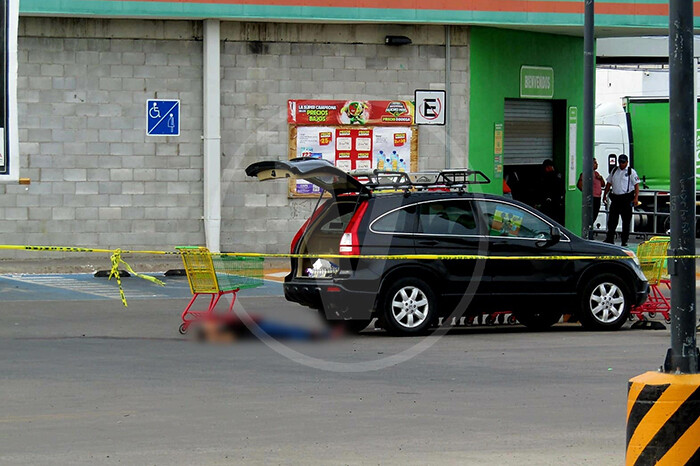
434,216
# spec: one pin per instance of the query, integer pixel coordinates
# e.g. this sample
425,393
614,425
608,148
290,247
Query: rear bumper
337,301
306,294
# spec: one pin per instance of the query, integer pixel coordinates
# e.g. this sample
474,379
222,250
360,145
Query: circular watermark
248,152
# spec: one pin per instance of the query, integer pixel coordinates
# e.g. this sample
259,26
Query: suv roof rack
379,179
457,179
462,177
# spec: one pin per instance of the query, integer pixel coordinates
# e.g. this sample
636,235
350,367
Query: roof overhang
622,50
613,19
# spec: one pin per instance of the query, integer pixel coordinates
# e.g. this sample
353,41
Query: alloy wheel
607,302
410,307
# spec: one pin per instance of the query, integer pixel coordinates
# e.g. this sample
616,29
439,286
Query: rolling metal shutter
528,128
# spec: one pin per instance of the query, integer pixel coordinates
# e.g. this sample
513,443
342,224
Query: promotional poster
351,112
364,148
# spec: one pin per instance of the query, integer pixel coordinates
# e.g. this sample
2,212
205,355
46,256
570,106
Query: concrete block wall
98,180
264,65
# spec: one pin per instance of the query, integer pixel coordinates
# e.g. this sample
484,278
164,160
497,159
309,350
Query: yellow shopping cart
215,275
652,258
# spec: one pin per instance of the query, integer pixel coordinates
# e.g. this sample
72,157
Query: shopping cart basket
215,275
652,258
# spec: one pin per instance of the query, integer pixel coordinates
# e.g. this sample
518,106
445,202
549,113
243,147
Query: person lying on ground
231,328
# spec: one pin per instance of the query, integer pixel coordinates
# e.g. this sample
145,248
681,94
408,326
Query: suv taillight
349,242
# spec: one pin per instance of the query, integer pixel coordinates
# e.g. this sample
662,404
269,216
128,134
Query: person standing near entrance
507,192
550,191
624,184
598,186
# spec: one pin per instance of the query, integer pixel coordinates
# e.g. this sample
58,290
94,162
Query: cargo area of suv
392,214
322,233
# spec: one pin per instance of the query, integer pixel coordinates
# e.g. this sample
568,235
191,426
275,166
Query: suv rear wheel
408,307
605,303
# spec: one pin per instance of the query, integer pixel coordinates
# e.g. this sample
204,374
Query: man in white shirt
624,184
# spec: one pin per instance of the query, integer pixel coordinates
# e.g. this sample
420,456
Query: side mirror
555,235
554,238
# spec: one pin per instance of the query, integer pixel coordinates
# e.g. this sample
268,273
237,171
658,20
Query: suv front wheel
408,307
605,303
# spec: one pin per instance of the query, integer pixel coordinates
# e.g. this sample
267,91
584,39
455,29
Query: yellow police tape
426,256
342,256
116,258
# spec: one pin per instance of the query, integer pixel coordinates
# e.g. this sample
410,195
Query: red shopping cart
652,258
214,275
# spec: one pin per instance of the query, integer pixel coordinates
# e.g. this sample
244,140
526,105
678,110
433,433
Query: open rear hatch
319,172
322,233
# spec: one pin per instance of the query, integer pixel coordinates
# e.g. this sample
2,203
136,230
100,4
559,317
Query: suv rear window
447,218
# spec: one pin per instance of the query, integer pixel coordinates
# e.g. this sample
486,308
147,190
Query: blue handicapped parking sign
163,117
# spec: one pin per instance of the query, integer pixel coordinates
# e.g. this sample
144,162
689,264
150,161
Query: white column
9,133
448,96
696,63
212,134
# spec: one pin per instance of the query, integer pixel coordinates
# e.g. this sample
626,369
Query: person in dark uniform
551,191
623,187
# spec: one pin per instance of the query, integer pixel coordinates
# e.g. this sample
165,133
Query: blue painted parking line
18,290
83,287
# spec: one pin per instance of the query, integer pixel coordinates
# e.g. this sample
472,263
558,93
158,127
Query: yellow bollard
663,420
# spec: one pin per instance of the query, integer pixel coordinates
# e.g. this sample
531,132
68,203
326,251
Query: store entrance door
534,153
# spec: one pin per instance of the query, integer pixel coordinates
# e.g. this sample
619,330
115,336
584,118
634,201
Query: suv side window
398,221
508,220
447,218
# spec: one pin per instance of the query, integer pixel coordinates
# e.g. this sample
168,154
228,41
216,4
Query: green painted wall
496,56
651,139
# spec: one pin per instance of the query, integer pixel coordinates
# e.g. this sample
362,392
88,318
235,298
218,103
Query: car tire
604,303
537,320
408,307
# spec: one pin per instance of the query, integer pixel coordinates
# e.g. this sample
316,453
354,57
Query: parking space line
83,285
48,287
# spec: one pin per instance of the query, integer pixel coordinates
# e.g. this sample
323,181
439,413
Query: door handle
428,242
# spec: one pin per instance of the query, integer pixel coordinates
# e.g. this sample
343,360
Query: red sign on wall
351,112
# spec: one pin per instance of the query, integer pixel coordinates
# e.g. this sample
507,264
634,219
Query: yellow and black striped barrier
663,420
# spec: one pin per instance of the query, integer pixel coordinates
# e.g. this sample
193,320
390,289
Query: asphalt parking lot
86,381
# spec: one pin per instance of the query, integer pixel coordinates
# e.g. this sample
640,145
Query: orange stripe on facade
636,9
667,404
684,448
506,6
